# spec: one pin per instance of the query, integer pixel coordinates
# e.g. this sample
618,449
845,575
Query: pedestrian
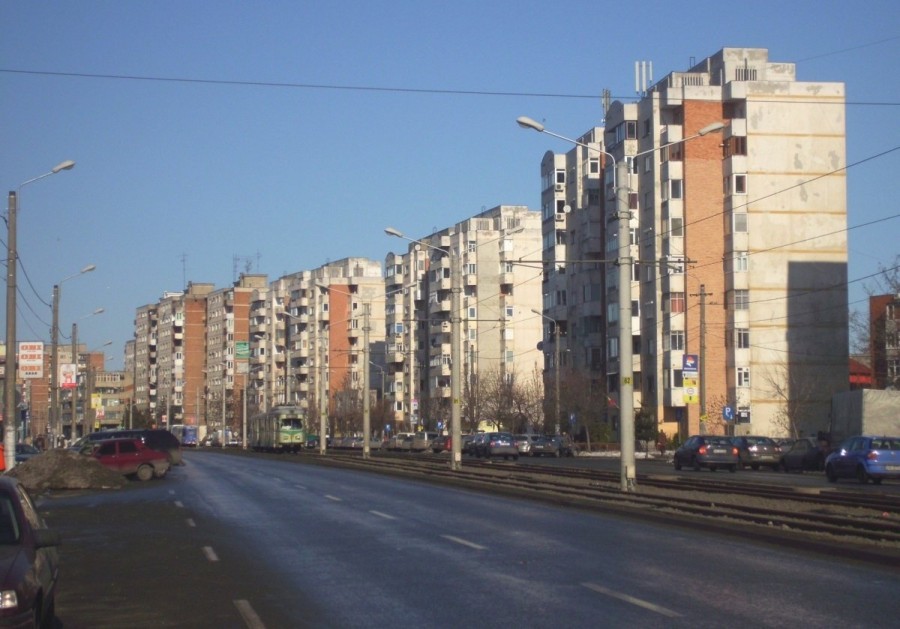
661,442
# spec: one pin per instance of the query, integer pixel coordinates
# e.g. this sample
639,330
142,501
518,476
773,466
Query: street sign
728,414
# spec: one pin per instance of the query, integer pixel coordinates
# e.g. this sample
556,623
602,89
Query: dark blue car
865,458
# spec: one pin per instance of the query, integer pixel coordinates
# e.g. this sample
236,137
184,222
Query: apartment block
500,286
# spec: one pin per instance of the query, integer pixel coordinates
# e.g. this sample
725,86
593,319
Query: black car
29,562
156,439
804,454
707,451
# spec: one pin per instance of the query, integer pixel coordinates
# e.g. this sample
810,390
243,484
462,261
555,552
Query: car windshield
9,527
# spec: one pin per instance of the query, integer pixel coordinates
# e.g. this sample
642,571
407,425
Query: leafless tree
798,396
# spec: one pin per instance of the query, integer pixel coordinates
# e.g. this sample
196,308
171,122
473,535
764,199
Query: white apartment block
739,239
498,293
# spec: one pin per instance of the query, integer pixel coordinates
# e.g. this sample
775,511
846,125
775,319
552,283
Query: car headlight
8,599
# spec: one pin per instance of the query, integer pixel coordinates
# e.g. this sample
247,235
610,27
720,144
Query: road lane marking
464,542
383,515
210,553
303,487
653,607
246,610
335,498
179,504
190,522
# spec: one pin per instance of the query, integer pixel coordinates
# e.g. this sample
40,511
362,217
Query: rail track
863,526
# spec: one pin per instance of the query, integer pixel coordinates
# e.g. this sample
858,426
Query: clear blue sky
297,131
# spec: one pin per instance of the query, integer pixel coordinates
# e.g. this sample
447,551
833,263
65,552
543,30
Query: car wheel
830,474
48,619
754,467
861,475
677,464
696,465
877,481
515,457
775,467
732,468
144,473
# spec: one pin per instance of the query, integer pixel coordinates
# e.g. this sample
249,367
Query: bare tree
798,396
886,281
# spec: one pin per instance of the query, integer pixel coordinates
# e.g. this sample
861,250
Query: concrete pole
9,382
455,361
367,419
55,423
626,368
74,434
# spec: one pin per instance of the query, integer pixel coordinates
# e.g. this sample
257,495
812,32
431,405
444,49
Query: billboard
67,376
31,359
690,373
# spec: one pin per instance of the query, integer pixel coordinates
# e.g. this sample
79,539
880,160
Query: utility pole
702,369
75,390
367,419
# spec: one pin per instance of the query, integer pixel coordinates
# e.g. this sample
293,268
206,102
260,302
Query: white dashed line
179,504
335,498
653,607
210,553
190,522
383,515
464,542
303,487
246,610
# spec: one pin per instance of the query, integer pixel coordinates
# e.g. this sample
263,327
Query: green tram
280,429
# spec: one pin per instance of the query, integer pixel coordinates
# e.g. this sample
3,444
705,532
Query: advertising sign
31,359
690,374
67,376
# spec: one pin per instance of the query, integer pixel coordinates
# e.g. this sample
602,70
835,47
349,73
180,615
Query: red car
131,457
29,562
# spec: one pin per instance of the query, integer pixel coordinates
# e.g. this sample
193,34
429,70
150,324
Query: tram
280,429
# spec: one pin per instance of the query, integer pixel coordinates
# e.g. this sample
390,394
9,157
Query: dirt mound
62,469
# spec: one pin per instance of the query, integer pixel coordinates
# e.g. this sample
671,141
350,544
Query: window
560,176
509,312
675,189
471,246
593,166
676,226
742,338
741,262
471,269
675,341
473,312
740,222
741,299
675,302
740,184
743,376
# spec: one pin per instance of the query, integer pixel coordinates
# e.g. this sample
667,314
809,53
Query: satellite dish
567,209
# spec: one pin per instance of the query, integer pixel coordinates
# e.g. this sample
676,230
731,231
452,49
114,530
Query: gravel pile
61,469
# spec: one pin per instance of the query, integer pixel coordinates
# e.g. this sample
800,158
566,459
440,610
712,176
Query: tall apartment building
307,332
228,330
884,341
500,333
145,359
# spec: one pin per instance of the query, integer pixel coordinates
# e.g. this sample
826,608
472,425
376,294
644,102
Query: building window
741,299
740,222
676,226
509,312
675,188
675,302
743,376
473,312
471,269
741,262
676,341
742,338
560,176
593,166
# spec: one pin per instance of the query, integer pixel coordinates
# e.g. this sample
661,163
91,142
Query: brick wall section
704,240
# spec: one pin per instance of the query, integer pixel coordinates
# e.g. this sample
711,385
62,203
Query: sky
214,138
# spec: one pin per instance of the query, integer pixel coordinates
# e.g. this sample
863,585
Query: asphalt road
229,541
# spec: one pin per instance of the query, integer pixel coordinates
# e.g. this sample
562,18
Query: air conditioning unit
560,187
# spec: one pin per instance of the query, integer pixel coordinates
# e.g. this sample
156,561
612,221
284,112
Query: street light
556,359
626,263
75,361
55,418
9,381
455,350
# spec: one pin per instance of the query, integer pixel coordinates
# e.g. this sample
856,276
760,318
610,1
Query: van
422,441
396,442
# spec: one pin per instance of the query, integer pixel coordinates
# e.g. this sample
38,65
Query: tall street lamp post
556,360
455,350
625,262
9,381
55,418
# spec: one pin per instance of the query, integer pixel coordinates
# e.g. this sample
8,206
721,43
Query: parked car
476,445
803,454
29,561
865,458
466,444
441,444
422,441
523,443
499,444
397,441
756,452
131,457
707,451
25,451
544,446
157,439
